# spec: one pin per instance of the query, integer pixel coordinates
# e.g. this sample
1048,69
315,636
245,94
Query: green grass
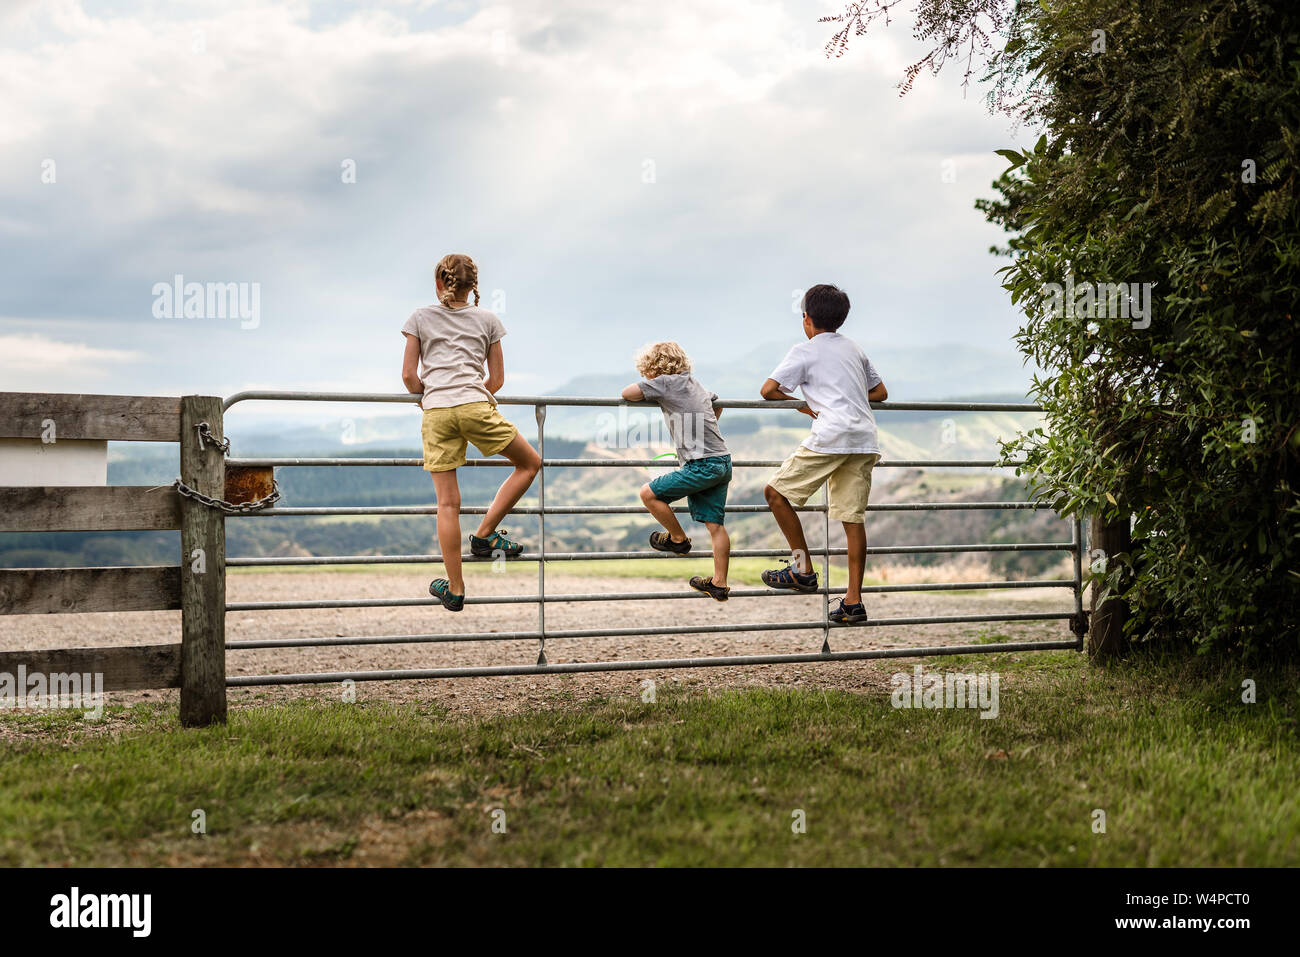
1186,773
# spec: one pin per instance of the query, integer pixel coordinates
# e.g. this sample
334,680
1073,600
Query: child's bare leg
663,514
448,492
721,552
787,519
856,533
527,463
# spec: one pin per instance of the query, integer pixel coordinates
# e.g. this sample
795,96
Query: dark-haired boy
838,383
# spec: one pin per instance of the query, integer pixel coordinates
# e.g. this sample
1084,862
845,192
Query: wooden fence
196,585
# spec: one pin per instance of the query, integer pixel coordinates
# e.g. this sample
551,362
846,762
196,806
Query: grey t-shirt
454,344
688,410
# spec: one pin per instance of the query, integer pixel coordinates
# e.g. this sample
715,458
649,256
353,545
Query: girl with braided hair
447,346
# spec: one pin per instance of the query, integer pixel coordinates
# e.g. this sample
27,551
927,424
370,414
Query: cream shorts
849,474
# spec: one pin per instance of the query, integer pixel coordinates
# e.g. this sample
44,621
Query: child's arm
496,368
411,366
633,393
877,392
771,391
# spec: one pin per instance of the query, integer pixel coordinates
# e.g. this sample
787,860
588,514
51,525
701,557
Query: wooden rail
116,418
125,668
105,508
52,591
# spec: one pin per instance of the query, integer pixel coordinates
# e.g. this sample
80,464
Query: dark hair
827,306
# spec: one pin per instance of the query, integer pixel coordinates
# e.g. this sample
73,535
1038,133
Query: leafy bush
1169,159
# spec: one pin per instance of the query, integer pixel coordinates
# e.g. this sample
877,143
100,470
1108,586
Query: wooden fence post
1106,638
203,568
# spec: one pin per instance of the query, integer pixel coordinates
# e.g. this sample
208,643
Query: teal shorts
704,484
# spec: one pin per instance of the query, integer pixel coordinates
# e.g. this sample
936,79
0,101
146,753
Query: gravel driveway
503,694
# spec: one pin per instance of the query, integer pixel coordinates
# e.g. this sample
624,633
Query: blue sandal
440,589
789,578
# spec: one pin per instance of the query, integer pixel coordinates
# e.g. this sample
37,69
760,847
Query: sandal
716,592
847,614
663,542
789,578
492,545
440,589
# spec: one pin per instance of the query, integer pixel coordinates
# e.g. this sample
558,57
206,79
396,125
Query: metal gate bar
655,556
631,632
595,402
632,596
640,665
625,509
264,462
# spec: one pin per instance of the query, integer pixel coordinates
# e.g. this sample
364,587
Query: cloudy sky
620,171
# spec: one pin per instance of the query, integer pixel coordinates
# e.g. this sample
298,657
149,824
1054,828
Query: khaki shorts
445,432
804,472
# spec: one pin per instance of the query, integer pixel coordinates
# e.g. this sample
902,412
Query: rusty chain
230,508
206,438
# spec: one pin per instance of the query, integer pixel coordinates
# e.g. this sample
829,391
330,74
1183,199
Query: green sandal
440,589
495,545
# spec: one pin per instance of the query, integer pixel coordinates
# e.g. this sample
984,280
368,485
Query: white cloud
32,362
206,139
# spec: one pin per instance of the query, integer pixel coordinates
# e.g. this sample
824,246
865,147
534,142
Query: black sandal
847,614
663,542
716,592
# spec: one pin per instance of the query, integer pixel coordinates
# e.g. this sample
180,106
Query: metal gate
831,632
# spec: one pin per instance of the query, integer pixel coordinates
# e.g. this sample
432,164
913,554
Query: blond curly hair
458,276
662,358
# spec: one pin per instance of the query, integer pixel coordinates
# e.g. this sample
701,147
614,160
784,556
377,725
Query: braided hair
458,274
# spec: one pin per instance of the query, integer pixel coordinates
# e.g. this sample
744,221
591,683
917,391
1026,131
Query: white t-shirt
454,345
834,375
